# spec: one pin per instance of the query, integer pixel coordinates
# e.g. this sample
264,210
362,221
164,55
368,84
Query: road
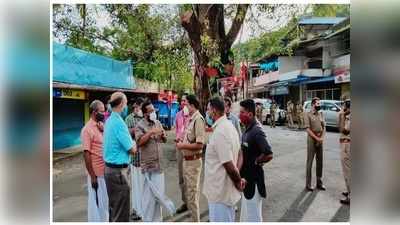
285,180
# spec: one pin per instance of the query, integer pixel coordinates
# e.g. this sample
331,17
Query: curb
64,156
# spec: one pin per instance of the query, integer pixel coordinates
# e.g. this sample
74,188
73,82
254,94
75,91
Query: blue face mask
124,112
209,120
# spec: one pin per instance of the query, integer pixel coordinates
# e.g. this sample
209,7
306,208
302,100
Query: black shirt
254,143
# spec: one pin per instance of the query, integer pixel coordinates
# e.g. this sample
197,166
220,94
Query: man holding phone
149,134
92,143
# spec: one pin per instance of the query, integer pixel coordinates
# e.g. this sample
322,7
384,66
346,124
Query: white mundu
137,182
251,209
218,187
153,197
97,209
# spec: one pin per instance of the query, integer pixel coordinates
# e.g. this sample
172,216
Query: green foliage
184,8
268,43
276,42
210,48
146,34
330,10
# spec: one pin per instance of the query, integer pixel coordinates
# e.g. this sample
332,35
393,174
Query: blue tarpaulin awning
75,66
280,83
298,80
320,80
321,20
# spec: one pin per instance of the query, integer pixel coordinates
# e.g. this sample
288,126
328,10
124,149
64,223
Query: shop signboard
69,93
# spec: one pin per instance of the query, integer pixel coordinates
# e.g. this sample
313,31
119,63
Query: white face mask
153,116
185,111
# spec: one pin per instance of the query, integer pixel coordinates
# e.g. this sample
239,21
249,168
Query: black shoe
345,201
345,194
309,188
182,209
321,187
135,217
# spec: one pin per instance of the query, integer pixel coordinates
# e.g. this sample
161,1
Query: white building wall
333,48
290,63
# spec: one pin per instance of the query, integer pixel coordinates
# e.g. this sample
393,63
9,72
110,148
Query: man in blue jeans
118,145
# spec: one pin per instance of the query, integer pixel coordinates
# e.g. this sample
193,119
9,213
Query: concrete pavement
285,180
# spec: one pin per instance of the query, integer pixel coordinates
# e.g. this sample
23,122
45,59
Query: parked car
280,114
330,109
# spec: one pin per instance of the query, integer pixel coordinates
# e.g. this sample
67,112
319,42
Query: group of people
123,160
233,160
295,112
123,155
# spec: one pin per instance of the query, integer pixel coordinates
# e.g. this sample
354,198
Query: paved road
285,178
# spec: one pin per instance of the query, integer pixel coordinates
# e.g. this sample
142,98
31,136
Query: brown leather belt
193,157
344,140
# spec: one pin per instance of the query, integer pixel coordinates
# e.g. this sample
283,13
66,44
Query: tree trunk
208,19
200,85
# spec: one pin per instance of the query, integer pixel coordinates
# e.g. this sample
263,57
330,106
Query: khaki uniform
316,122
344,124
290,113
195,133
259,113
300,116
272,111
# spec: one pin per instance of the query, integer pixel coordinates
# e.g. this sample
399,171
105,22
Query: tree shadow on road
342,214
186,215
296,211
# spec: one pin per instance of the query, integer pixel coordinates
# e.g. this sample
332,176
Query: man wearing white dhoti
222,181
255,152
149,134
136,178
92,143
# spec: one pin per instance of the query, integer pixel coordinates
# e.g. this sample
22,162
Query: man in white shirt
222,181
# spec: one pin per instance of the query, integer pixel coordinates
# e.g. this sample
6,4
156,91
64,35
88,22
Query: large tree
212,41
205,25
150,35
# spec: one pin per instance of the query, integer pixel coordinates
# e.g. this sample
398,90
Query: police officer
290,113
315,125
259,110
272,111
192,149
300,115
344,127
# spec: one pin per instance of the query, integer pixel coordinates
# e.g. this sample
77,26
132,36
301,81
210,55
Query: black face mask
347,104
99,117
318,107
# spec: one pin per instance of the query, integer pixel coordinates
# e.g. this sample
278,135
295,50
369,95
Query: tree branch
236,24
192,26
